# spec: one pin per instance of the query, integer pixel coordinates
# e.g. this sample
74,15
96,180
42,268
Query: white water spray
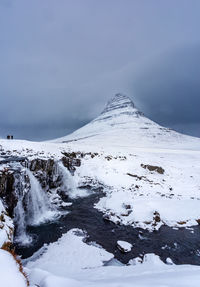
68,183
33,206
38,206
19,212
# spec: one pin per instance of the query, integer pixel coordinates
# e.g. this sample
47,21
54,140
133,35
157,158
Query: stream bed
181,245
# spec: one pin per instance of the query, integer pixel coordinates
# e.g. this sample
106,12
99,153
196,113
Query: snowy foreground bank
71,262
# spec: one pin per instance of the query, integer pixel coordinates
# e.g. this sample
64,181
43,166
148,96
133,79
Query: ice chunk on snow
148,259
152,259
124,246
169,261
135,261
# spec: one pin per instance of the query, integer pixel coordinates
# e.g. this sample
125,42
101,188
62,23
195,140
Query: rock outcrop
7,189
46,170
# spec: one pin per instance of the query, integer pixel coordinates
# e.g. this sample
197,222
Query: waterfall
33,206
38,205
68,183
21,190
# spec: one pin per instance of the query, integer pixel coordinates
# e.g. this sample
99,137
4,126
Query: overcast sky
61,60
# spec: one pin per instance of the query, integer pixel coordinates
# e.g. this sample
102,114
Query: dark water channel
181,245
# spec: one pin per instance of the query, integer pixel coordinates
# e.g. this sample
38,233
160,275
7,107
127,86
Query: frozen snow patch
70,254
9,272
149,259
124,246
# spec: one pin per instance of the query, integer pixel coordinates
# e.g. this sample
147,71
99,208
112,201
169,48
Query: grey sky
61,60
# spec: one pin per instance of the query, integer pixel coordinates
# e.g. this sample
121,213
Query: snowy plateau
115,203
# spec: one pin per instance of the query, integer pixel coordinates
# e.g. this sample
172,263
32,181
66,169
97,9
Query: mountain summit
119,101
122,124
118,109
120,104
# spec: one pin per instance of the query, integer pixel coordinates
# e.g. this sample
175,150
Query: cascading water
21,189
68,183
33,206
38,205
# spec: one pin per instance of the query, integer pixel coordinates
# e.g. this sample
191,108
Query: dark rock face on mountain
119,105
119,101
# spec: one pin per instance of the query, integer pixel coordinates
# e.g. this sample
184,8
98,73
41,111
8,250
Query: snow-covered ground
71,262
150,176
10,275
123,142
6,226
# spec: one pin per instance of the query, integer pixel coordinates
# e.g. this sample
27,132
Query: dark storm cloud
60,61
169,88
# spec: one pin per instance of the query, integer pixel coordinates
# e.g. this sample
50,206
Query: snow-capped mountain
122,124
150,179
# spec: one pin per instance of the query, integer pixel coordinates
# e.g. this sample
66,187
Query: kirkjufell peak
118,101
121,123
118,105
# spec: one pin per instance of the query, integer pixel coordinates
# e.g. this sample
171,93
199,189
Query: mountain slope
121,124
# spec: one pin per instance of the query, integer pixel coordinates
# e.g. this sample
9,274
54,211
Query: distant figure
9,137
